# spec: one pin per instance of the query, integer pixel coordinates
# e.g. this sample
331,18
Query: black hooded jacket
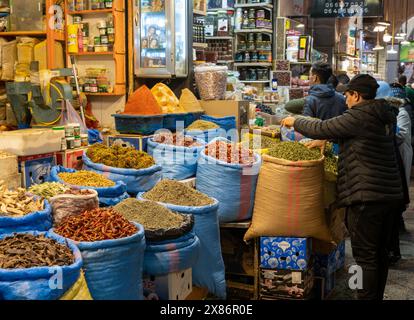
368,167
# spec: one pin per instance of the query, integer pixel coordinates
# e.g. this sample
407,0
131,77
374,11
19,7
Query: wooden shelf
220,9
253,64
200,13
257,81
200,45
100,11
270,31
104,94
92,54
23,33
254,5
219,38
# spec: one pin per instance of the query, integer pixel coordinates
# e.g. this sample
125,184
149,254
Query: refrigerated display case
161,38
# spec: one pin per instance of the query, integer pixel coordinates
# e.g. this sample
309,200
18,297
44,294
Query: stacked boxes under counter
9,173
286,268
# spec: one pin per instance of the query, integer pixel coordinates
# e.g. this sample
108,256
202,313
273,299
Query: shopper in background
398,91
343,80
409,90
323,101
369,180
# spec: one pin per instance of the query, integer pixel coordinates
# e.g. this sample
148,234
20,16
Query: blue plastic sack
94,136
226,123
233,185
136,180
113,268
209,270
35,221
34,283
171,256
290,135
208,135
108,197
178,163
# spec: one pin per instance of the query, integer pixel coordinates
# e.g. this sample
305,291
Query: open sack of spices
29,263
112,249
258,143
66,201
176,154
136,168
171,245
289,198
208,270
228,172
20,211
204,131
109,192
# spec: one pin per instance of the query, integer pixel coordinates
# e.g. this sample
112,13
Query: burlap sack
290,200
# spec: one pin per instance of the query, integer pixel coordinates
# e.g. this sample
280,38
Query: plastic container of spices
69,131
104,40
84,140
78,142
63,145
108,4
70,143
97,41
76,129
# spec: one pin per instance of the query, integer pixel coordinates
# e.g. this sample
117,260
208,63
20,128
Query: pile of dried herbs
23,251
48,190
86,179
120,157
202,125
96,225
174,192
151,215
294,151
331,160
17,203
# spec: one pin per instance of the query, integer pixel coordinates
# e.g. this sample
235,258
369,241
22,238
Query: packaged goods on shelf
173,286
285,253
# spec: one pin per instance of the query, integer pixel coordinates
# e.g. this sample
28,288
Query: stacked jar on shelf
81,5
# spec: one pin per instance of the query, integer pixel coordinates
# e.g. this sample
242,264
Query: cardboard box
71,159
286,283
227,108
174,286
9,165
36,169
126,140
326,264
285,253
13,181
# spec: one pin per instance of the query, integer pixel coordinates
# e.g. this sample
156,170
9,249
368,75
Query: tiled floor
400,284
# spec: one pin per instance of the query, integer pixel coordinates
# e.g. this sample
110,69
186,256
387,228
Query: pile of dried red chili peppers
96,225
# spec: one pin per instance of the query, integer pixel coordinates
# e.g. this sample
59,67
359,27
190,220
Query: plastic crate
134,124
170,121
192,117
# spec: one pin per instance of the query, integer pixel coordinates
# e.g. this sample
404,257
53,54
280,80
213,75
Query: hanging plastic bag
70,115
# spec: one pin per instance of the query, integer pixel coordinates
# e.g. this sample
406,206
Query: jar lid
77,137
58,128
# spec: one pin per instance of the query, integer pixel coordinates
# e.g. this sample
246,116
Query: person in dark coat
369,179
323,101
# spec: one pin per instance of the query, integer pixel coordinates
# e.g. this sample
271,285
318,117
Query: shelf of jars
254,30
253,64
264,5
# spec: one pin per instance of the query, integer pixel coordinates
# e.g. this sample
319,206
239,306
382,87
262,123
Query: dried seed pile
202,125
177,193
294,151
331,164
260,142
16,204
230,153
86,179
120,157
149,214
96,225
48,190
23,251
179,141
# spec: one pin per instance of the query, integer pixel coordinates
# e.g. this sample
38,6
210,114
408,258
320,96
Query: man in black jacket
369,181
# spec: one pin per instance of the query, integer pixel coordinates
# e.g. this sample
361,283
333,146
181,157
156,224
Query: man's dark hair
366,96
343,78
323,71
402,80
333,81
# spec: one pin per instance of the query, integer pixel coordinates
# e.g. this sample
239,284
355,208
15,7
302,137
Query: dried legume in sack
174,192
86,179
202,125
294,151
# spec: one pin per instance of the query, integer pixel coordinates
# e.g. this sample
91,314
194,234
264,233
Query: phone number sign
346,8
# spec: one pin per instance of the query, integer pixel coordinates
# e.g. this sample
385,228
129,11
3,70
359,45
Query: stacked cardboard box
286,268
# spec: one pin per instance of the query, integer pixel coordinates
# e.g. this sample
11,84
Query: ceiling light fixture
392,50
378,46
384,23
